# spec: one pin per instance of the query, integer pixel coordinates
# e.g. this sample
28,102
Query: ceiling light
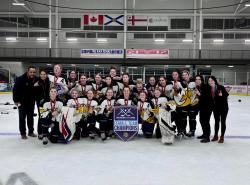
102,40
41,39
207,66
230,66
72,39
218,40
11,38
247,5
159,40
18,4
187,40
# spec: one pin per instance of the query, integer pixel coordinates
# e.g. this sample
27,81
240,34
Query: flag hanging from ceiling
114,20
93,20
137,20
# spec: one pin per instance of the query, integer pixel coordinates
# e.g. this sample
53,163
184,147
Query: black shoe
45,141
190,134
103,136
201,137
205,140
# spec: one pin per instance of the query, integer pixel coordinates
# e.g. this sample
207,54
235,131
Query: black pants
220,116
54,134
106,123
192,113
205,114
181,118
26,112
90,124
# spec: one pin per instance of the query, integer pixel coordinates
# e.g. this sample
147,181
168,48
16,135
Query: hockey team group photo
113,106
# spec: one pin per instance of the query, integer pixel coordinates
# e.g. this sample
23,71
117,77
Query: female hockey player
50,118
110,84
126,81
164,87
190,110
76,103
59,83
146,117
97,86
158,102
90,111
83,86
151,86
105,116
125,99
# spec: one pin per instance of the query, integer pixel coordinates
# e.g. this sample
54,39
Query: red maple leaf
93,19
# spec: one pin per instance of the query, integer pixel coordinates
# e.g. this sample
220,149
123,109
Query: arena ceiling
135,6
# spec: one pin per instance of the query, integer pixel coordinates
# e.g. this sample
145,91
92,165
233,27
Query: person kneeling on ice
146,117
90,111
105,116
51,115
77,104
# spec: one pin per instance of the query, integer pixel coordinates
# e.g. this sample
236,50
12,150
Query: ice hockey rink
137,162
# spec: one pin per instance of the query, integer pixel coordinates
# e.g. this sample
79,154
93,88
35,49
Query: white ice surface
137,162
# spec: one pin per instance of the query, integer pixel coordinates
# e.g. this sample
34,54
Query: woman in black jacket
204,106
220,109
42,88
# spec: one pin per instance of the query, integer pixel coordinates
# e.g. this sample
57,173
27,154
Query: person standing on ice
220,107
24,98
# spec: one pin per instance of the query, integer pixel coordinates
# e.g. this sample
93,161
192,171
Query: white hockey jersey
144,110
59,83
106,104
82,89
124,102
47,108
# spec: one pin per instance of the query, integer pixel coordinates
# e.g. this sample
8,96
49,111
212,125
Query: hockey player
126,82
190,110
76,103
137,90
97,86
90,111
110,84
158,102
164,87
151,86
146,117
105,116
50,118
83,86
59,83
125,99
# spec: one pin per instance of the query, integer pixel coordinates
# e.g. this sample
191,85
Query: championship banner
102,53
126,122
147,54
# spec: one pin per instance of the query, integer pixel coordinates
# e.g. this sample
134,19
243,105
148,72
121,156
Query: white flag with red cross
93,20
138,20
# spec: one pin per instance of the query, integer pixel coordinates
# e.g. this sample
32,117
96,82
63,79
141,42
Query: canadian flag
93,19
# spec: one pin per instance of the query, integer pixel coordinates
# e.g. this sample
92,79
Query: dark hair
43,70
83,75
214,79
31,67
113,67
125,74
201,77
